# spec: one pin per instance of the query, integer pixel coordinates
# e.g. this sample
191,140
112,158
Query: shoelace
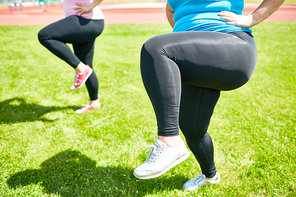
198,179
154,152
76,78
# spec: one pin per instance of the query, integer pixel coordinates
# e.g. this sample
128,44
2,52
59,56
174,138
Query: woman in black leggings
82,25
183,73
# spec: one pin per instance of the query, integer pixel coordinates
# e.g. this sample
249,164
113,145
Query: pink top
69,5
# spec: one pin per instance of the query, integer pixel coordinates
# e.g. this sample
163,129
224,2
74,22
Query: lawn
46,149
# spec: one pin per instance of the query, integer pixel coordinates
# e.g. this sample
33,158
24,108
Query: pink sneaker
81,79
86,108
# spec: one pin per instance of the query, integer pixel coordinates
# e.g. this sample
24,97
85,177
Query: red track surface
46,15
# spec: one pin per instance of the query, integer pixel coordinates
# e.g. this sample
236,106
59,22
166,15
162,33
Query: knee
147,49
42,36
153,46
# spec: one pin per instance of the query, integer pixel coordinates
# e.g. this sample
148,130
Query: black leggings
81,33
183,74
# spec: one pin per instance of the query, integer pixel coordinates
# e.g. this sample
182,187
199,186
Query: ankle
80,68
170,141
95,103
214,177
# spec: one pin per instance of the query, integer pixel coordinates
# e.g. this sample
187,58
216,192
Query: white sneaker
161,159
201,181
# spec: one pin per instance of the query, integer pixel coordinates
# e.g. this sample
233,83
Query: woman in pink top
83,23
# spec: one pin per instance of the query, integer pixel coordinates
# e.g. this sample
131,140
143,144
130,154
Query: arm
170,15
263,11
81,8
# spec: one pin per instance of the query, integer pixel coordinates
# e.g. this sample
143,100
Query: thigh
210,59
74,29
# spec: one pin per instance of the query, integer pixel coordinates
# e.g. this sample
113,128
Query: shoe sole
181,159
195,188
83,82
80,112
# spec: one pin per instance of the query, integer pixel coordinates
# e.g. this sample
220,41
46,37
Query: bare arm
170,15
262,12
81,8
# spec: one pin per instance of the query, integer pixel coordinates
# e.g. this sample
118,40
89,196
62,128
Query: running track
118,14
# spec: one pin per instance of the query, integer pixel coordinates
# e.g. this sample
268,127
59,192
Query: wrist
253,20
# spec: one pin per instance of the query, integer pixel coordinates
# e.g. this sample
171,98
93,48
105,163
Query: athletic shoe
81,79
161,159
201,181
86,108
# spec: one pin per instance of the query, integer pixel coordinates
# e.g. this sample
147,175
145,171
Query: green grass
48,150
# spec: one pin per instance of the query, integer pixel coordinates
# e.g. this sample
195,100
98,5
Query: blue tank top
203,15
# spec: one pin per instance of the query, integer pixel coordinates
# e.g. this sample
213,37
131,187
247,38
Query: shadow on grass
18,110
71,173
